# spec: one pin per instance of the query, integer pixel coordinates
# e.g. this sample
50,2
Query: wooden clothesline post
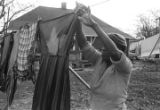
79,77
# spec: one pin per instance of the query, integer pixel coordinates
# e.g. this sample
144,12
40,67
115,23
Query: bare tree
147,25
9,10
2,13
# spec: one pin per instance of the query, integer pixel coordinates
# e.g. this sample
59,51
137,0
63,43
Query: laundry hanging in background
21,62
1,45
25,51
52,90
4,64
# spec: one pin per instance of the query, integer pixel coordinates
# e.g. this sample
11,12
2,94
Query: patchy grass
143,91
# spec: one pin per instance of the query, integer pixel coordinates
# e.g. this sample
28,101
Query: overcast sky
118,13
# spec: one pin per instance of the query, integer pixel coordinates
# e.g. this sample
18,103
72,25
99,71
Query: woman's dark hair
119,40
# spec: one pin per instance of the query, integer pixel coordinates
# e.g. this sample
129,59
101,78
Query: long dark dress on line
52,90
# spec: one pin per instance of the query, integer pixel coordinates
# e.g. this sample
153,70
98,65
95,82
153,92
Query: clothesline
52,19
99,3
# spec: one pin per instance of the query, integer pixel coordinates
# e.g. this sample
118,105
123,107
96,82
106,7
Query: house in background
135,47
146,48
150,47
48,13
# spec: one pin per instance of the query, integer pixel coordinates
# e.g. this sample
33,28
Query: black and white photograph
79,55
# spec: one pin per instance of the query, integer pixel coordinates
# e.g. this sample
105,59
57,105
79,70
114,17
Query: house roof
46,13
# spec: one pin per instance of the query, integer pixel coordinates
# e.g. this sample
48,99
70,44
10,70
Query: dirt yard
143,91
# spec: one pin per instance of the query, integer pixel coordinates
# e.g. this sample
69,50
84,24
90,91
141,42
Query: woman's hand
84,15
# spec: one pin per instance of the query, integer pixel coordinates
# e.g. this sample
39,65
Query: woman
112,68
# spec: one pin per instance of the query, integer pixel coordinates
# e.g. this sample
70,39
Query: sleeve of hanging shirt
91,54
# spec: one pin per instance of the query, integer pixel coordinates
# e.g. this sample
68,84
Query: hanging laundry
6,52
25,52
12,82
22,62
52,90
14,51
1,46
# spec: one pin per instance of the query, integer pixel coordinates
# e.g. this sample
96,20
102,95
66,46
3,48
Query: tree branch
10,2
5,27
3,9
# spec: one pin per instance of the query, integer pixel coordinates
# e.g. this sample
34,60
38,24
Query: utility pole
157,39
